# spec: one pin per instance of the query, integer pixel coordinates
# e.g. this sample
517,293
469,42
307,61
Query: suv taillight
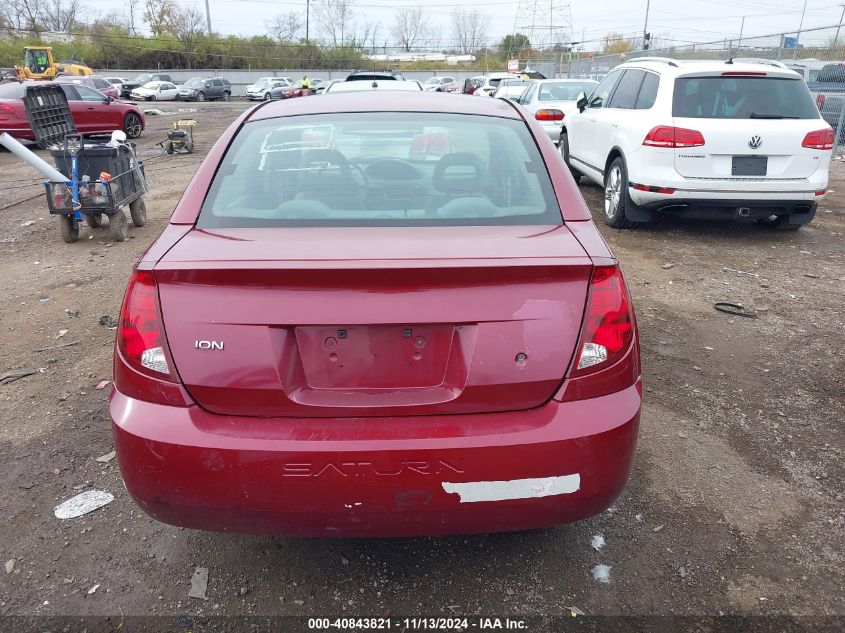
607,359
820,139
820,99
668,136
143,366
549,115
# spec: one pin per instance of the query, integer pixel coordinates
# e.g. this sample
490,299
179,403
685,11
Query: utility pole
208,17
307,20
798,35
841,17
741,29
645,27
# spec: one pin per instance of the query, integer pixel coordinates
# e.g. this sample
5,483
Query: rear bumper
800,207
408,476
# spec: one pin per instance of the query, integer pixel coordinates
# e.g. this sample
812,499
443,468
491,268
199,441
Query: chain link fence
807,53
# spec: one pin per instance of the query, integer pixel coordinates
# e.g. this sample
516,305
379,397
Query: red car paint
257,429
90,117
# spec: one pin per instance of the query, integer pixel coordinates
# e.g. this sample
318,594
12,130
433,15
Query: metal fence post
839,124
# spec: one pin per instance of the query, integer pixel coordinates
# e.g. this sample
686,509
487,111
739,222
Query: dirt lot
734,506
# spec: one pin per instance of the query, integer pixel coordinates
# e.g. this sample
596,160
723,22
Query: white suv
741,138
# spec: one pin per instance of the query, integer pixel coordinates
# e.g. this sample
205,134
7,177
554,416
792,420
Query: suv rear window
721,97
832,73
381,169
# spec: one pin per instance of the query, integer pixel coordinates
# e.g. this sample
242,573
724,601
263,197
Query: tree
61,15
334,16
410,27
133,15
186,24
470,29
286,27
512,44
23,14
614,43
158,15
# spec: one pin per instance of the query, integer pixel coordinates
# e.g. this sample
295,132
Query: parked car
100,84
288,92
205,89
378,75
473,84
511,88
730,139
127,87
92,112
436,84
362,86
156,91
829,92
550,100
321,88
261,89
117,82
490,83
809,69
330,340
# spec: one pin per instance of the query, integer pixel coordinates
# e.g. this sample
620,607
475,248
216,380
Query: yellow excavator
38,63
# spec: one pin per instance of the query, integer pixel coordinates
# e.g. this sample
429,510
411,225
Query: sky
681,21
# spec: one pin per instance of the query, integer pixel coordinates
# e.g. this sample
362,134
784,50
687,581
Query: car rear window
564,90
720,97
12,91
832,73
381,169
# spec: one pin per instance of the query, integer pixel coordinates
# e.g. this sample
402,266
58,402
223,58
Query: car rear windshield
12,91
745,97
832,73
381,169
564,90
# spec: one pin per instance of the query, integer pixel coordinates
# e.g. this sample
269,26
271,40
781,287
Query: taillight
668,136
548,115
143,367
820,139
820,99
607,359
5,108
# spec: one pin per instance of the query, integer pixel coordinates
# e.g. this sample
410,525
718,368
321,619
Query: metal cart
103,181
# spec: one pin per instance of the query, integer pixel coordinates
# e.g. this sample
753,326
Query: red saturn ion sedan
385,317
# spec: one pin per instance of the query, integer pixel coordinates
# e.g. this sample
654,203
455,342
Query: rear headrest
459,173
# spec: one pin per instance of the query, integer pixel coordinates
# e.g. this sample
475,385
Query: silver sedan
549,101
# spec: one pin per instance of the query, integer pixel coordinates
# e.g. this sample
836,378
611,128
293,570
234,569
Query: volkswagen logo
755,142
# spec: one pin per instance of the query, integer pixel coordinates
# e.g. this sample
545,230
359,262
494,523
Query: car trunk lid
357,322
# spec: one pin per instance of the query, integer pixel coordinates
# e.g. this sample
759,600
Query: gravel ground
734,505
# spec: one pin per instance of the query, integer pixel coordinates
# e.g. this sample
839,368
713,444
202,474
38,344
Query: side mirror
581,102
109,99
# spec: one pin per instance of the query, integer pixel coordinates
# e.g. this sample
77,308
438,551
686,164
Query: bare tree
335,17
61,15
186,24
410,27
286,27
470,28
158,15
23,14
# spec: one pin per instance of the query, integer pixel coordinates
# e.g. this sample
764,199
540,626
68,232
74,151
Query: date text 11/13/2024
418,624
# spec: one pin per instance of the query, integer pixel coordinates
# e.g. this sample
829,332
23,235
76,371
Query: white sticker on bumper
475,491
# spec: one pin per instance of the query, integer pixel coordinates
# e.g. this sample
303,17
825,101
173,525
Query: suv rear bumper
407,476
801,210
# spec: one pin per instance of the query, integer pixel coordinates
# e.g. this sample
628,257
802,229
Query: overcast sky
678,20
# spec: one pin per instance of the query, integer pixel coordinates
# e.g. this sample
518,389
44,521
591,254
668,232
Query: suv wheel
226,96
616,195
200,96
563,146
